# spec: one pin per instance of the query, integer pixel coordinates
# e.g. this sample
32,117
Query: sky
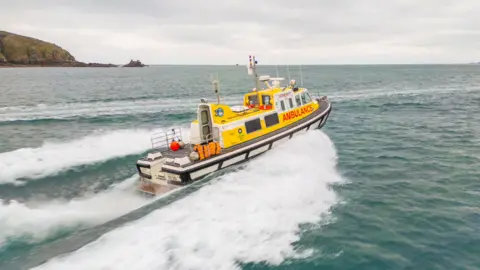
275,31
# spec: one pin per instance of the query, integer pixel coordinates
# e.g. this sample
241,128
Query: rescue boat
223,135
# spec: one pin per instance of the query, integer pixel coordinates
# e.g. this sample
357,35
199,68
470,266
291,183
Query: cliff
21,50
18,51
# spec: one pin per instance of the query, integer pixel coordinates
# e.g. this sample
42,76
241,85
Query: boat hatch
205,123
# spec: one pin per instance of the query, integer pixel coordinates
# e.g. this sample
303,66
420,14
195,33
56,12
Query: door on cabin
205,124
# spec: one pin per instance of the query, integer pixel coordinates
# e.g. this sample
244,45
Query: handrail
161,140
208,138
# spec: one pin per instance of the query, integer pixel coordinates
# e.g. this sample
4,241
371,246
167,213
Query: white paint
281,141
182,161
258,151
315,125
233,160
202,172
194,133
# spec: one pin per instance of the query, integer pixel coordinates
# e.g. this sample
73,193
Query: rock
134,64
101,65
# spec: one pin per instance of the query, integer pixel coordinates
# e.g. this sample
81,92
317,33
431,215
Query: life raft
207,150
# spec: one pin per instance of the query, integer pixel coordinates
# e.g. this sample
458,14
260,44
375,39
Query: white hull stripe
258,151
234,160
203,172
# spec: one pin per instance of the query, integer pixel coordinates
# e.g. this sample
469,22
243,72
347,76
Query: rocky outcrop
134,64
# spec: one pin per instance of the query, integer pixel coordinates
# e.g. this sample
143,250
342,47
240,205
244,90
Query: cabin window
271,120
282,104
291,102
253,100
204,116
304,98
308,97
206,131
266,100
253,125
297,99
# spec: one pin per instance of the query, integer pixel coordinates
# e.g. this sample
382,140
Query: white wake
53,157
99,108
249,215
36,221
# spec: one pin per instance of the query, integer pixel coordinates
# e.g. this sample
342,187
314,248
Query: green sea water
391,182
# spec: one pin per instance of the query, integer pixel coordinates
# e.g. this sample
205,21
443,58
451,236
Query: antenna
216,88
252,69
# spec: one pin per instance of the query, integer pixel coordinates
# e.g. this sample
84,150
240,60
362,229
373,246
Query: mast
252,68
216,88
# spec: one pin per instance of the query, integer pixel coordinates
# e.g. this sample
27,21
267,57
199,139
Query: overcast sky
276,31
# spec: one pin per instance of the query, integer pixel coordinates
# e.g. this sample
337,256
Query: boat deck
324,105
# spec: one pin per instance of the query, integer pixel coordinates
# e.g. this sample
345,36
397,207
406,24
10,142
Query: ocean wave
26,164
249,215
65,111
36,221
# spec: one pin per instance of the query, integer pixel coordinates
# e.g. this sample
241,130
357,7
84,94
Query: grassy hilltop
19,51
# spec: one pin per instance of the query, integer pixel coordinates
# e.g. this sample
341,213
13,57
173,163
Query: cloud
277,31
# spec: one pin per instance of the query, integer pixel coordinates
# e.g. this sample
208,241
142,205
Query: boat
222,135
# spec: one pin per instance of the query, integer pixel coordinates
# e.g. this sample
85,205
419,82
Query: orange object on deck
206,151
212,147
199,150
174,146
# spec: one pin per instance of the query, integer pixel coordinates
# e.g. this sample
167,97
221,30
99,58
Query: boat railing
161,140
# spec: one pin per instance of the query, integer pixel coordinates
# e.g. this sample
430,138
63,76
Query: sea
392,181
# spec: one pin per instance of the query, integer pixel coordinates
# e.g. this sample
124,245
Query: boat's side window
297,99
291,102
271,120
304,98
266,100
307,97
253,125
205,131
253,100
282,104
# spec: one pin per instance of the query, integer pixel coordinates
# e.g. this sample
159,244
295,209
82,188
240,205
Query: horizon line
351,64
